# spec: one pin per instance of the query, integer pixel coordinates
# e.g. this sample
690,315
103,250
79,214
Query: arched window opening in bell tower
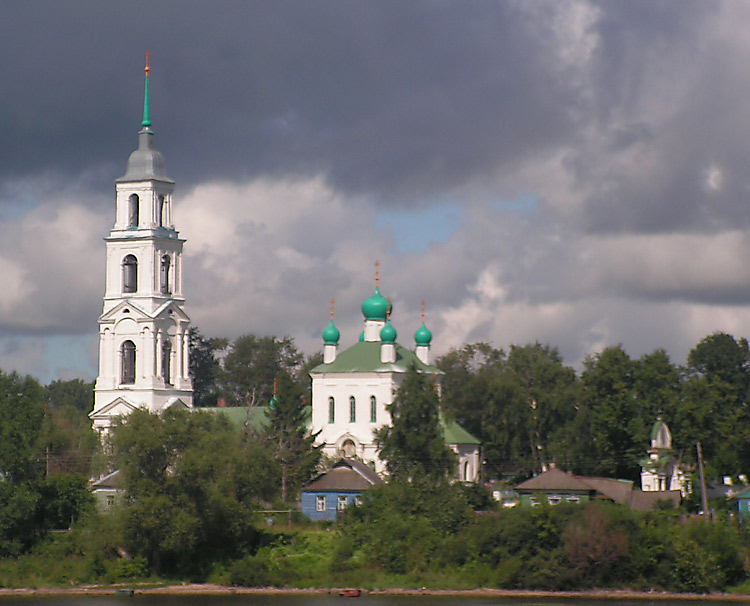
166,362
166,263
133,210
128,363
130,274
161,211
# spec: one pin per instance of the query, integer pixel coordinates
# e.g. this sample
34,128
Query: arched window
160,211
466,477
166,362
352,410
331,410
128,363
373,409
130,274
133,210
349,448
166,262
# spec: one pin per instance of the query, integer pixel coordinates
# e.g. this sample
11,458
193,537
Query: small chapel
661,471
143,328
351,389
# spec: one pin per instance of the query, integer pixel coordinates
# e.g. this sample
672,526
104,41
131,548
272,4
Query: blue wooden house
333,491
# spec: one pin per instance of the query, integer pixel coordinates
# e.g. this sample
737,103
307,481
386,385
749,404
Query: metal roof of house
453,433
111,480
346,475
241,416
617,490
365,357
647,500
555,479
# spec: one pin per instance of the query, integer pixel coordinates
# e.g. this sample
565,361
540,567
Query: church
143,331
351,389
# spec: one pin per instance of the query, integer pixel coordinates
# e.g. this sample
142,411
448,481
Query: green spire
146,101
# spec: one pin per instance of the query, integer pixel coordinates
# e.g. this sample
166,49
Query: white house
351,389
143,329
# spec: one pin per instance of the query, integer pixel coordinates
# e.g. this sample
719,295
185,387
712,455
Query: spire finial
390,308
146,100
275,387
422,311
333,308
377,274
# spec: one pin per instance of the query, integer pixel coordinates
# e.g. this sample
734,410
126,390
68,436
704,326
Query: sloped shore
204,589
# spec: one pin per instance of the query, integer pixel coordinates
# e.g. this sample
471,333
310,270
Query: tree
22,413
181,473
608,419
75,393
413,445
251,366
204,367
293,446
714,406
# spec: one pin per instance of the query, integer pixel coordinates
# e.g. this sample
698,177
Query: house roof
238,416
365,357
647,500
453,433
346,475
111,480
617,490
554,479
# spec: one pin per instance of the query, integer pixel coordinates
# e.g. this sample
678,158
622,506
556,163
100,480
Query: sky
573,172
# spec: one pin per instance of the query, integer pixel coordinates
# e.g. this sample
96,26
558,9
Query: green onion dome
331,334
376,307
273,403
388,333
423,336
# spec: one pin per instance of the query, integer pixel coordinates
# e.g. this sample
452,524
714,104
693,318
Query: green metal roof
453,433
255,416
365,357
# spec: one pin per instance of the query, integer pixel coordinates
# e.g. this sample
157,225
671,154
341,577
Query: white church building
352,389
143,329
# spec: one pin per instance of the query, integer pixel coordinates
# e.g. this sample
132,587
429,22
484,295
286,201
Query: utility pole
704,497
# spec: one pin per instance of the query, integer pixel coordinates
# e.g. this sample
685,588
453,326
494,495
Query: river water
334,600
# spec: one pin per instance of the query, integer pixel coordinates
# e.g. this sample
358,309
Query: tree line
530,409
197,487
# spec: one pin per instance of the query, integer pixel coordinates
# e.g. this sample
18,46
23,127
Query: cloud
570,172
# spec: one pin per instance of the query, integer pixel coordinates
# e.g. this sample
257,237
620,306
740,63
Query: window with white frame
130,274
342,502
133,210
165,286
127,353
352,409
373,409
320,502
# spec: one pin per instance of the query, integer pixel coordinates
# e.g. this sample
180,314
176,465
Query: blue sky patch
415,230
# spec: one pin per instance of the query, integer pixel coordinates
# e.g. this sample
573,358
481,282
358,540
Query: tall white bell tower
143,330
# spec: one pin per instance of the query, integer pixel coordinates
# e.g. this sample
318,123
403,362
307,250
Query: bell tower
143,329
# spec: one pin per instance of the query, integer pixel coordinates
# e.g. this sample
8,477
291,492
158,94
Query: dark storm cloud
388,98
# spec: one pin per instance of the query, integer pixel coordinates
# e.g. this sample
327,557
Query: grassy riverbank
313,559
